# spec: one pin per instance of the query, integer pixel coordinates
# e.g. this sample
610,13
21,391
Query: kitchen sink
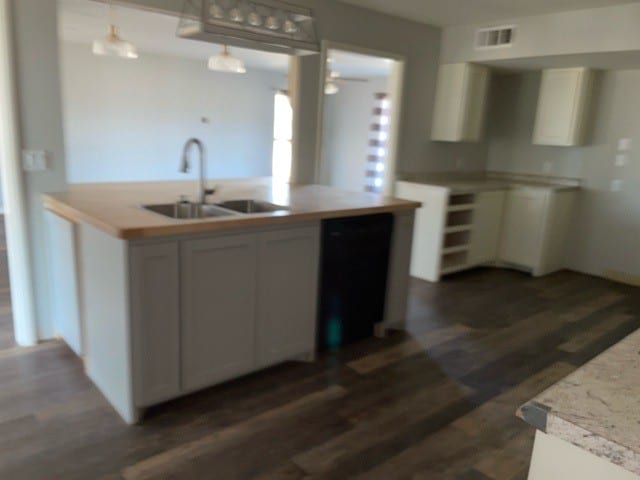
251,206
188,211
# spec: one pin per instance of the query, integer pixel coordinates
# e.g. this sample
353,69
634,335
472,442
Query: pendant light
226,63
113,45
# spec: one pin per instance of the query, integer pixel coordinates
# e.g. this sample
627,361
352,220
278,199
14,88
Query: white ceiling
463,12
82,21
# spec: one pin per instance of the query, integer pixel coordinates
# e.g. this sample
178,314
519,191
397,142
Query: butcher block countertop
116,208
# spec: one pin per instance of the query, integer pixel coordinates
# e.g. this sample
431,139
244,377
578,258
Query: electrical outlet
34,160
622,160
616,185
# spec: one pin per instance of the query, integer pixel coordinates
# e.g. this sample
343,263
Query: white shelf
461,208
458,228
456,249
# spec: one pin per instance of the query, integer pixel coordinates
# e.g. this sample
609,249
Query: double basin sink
189,211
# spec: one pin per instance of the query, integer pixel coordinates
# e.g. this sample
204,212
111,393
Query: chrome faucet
185,167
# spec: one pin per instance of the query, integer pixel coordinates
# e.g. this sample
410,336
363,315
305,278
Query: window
282,138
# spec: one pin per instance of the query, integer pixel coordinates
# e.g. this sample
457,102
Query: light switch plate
34,160
624,145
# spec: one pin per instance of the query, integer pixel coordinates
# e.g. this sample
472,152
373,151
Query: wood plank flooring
436,402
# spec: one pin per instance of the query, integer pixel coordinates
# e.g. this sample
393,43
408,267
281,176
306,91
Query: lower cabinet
218,309
487,225
155,300
287,294
523,227
209,309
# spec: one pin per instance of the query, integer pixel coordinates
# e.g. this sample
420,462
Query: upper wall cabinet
563,107
461,97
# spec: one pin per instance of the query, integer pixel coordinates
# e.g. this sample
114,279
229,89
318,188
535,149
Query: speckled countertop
597,407
491,181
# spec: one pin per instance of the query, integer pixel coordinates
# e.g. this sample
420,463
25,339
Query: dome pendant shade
113,45
226,63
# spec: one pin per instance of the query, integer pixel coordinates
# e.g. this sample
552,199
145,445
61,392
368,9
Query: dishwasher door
353,279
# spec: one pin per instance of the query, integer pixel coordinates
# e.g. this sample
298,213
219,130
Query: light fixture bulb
236,15
254,19
113,45
226,63
331,88
290,27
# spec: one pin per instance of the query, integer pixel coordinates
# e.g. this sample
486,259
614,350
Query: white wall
348,116
40,110
606,230
128,120
610,29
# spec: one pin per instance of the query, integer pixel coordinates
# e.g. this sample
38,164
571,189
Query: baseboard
622,277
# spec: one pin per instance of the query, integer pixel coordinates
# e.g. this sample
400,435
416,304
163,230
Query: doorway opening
360,112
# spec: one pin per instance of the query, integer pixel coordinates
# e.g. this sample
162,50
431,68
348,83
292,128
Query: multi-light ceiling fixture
113,45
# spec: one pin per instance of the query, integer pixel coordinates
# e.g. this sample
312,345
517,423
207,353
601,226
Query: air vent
495,37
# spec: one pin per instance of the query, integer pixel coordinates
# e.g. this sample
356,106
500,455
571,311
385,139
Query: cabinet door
155,322
562,106
487,227
287,293
459,108
218,309
524,221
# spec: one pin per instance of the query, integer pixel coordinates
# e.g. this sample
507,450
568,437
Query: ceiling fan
333,78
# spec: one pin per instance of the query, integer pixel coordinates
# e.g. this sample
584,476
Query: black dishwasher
353,278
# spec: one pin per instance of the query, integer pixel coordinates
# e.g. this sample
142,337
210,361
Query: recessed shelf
458,228
457,239
457,249
459,218
462,199
453,260
461,208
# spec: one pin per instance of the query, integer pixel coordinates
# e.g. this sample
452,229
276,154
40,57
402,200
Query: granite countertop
492,181
597,407
116,208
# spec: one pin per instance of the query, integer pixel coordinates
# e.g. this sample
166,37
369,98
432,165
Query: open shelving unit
457,232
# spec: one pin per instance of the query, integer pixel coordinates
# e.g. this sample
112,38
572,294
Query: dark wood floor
6,319
437,403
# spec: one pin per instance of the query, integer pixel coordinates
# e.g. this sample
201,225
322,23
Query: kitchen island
588,425
160,307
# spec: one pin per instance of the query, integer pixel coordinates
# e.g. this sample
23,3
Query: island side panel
555,459
105,274
398,281
65,288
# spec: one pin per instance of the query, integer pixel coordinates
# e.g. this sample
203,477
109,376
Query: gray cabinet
218,278
155,322
287,294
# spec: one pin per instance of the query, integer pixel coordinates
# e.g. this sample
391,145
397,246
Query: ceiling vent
495,37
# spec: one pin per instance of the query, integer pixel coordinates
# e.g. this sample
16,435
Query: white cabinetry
535,227
561,118
155,332
487,226
218,309
460,104
287,294
523,227
519,226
